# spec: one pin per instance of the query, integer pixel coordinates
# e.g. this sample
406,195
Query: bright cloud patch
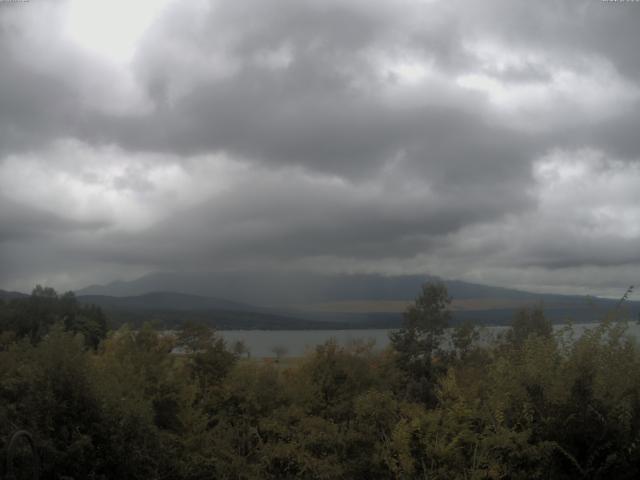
112,28
595,194
106,184
541,91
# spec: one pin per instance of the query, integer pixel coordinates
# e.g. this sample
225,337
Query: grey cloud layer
349,134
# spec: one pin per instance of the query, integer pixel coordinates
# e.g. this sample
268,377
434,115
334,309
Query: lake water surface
297,342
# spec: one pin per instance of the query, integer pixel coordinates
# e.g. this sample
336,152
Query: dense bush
533,404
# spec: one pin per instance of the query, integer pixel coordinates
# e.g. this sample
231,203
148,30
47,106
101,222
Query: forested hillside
352,301
123,404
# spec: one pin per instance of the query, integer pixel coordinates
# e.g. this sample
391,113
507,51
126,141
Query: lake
297,342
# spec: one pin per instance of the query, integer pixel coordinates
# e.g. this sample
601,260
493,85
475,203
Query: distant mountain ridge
269,289
5,295
171,309
165,301
355,301
303,301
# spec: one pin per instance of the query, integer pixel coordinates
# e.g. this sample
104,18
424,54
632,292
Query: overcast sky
494,141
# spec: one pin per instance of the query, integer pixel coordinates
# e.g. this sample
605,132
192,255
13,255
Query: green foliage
463,338
529,321
34,316
424,321
148,405
46,389
419,340
208,358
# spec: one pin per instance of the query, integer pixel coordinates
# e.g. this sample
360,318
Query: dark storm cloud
298,220
567,249
617,136
360,131
21,222
313,110
34,108
316,112
565,27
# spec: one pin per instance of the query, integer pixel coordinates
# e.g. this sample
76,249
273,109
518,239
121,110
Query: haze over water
261,343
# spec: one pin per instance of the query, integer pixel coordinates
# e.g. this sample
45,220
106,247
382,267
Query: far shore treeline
121,404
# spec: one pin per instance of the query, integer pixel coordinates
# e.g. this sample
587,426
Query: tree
33,317
88,320
279,351
463,338
240,348
419,339
529,321
209,359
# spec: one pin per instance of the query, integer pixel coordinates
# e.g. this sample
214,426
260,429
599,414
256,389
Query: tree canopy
143,404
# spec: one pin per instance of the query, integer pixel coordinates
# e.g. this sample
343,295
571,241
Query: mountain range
269,288
350,301
262,300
